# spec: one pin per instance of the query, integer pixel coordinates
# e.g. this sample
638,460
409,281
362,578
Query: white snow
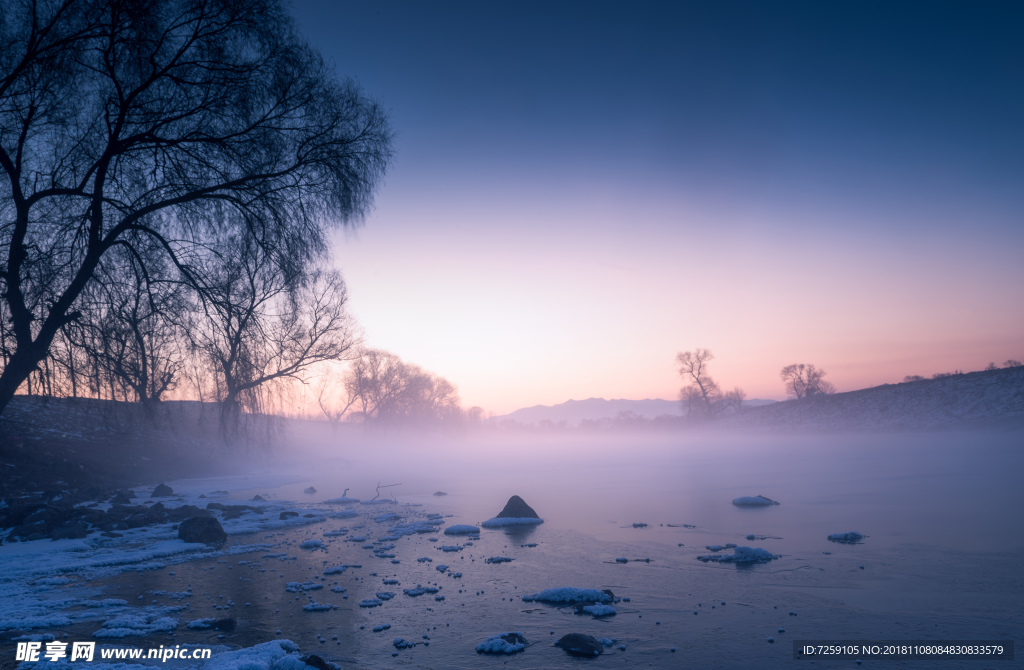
419,590
314,606
273,655
312,544
128,625
569,594
599,610
370,602
462,529
497,644
498,522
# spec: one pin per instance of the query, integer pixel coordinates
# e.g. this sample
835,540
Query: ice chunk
312,544
419,590
499,559
503,643
599,610
370,602
462,529
741,555
853,537
569,594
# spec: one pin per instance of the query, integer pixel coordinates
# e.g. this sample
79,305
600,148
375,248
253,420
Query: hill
974,399
572,412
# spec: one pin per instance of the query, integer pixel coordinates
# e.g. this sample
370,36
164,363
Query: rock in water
318,662
578,644
202,529
310,490
162,490
259,498
516,508
440,493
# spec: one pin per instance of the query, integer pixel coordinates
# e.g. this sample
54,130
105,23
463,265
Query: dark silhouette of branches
176,124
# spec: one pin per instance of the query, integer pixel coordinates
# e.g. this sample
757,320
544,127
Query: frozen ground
941,513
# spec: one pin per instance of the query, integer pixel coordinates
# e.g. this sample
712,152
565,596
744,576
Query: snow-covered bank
975,399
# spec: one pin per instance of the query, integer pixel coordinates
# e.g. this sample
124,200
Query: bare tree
390,391
701,393
174,122
804,381
267,321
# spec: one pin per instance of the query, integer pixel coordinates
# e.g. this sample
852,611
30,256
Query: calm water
942,515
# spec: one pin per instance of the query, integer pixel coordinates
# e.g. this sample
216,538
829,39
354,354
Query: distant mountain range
572,412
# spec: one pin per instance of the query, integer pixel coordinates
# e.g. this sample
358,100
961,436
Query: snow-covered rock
462,529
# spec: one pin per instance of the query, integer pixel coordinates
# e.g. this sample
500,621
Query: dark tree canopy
174,123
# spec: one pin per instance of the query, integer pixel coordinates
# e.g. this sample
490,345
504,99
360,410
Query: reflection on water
940,560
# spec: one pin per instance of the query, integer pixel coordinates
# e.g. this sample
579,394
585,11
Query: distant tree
388,390
912,378
991,366
1012,363
167,122
804,380
475,415
700,394
702,397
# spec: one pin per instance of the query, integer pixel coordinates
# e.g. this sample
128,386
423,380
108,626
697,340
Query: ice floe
462,529
741,555
599,610
569,594
503,643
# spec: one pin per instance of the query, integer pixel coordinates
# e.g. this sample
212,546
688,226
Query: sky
580,190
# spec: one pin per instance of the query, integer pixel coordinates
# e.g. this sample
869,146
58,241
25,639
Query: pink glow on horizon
553,300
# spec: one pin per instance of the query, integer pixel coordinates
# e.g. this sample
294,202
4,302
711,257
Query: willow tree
174,122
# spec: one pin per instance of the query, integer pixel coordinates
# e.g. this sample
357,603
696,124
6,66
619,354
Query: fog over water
941,515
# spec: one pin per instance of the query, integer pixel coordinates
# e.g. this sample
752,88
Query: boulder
310,490
162,490
286,515
202,529
259,498
578,644
516,508
72,530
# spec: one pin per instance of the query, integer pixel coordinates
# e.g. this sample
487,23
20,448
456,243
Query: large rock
516,508
162,490
202,529
578,644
